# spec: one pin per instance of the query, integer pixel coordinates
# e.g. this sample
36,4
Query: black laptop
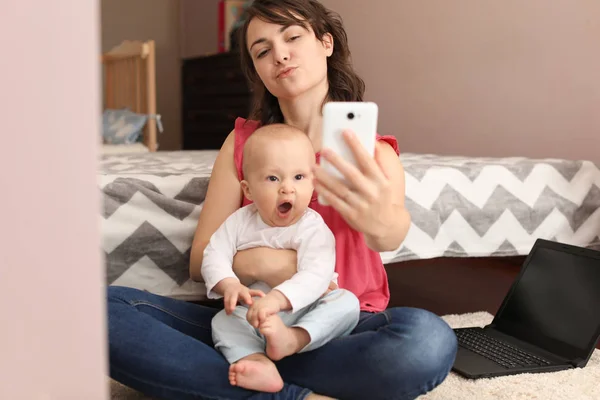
548,321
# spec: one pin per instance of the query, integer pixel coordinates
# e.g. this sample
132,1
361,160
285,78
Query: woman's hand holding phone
350,178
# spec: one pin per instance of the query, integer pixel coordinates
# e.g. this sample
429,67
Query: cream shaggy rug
579,384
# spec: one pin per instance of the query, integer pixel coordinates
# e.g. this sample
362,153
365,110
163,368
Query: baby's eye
299,177
294,38
272,178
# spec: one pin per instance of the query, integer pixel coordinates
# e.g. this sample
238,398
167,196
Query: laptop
548,321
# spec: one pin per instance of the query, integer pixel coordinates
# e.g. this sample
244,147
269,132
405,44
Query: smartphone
359,117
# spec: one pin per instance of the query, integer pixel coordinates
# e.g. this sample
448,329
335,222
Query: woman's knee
121,293
428,341
416,345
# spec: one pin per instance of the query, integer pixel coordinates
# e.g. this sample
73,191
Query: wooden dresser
215,93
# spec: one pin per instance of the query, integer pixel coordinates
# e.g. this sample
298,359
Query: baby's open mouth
285,207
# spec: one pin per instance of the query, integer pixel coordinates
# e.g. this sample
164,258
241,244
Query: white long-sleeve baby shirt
244,229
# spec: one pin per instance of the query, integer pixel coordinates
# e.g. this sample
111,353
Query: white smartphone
361,118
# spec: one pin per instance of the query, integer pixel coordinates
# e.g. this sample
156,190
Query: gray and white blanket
460,207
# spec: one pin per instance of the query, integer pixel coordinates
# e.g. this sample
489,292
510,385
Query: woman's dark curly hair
344,83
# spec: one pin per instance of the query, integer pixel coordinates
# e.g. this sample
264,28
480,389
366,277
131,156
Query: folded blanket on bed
460,207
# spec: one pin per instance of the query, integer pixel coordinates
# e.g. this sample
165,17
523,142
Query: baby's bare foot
282,341
256,373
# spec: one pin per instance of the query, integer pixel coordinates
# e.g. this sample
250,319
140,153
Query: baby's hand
234,291
264,307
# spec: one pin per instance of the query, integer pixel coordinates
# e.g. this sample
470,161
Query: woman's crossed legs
163,347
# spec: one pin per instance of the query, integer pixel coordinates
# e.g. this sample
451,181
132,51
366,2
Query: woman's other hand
371,200
332,286
272,266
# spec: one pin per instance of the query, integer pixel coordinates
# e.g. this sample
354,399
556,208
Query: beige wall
52,292
199,27
158,20
481,77
471,77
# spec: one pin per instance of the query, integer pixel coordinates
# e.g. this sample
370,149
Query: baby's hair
270,132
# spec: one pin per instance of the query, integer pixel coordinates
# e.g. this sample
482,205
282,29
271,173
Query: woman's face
289,61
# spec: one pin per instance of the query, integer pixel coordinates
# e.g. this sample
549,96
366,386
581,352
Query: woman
295,54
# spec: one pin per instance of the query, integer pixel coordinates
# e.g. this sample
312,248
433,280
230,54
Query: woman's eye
272,178
262,54
299,177
294,38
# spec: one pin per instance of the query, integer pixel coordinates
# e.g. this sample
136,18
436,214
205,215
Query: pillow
122,126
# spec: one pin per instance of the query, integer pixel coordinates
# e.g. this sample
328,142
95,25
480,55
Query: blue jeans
163,348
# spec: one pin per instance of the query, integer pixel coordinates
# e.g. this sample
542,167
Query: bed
129,83
462,208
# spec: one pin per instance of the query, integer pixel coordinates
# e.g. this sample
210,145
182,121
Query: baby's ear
246,189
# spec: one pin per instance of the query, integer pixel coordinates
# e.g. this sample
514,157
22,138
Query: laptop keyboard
493,349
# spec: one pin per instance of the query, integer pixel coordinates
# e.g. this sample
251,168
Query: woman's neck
305,112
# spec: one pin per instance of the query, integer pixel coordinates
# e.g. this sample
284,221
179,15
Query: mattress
460,207
123,148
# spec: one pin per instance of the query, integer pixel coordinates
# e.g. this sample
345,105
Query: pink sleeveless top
360,269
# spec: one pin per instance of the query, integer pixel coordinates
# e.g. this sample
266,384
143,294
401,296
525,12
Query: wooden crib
129,76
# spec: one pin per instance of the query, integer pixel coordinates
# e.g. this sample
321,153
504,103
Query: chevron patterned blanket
460,207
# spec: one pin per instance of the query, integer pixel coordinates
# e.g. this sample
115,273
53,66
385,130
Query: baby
295,316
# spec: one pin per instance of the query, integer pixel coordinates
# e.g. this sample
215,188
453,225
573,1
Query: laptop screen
556,302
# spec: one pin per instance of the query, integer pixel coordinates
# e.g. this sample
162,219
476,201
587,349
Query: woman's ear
328,44
246,189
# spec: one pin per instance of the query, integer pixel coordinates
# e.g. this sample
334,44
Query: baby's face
281,181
